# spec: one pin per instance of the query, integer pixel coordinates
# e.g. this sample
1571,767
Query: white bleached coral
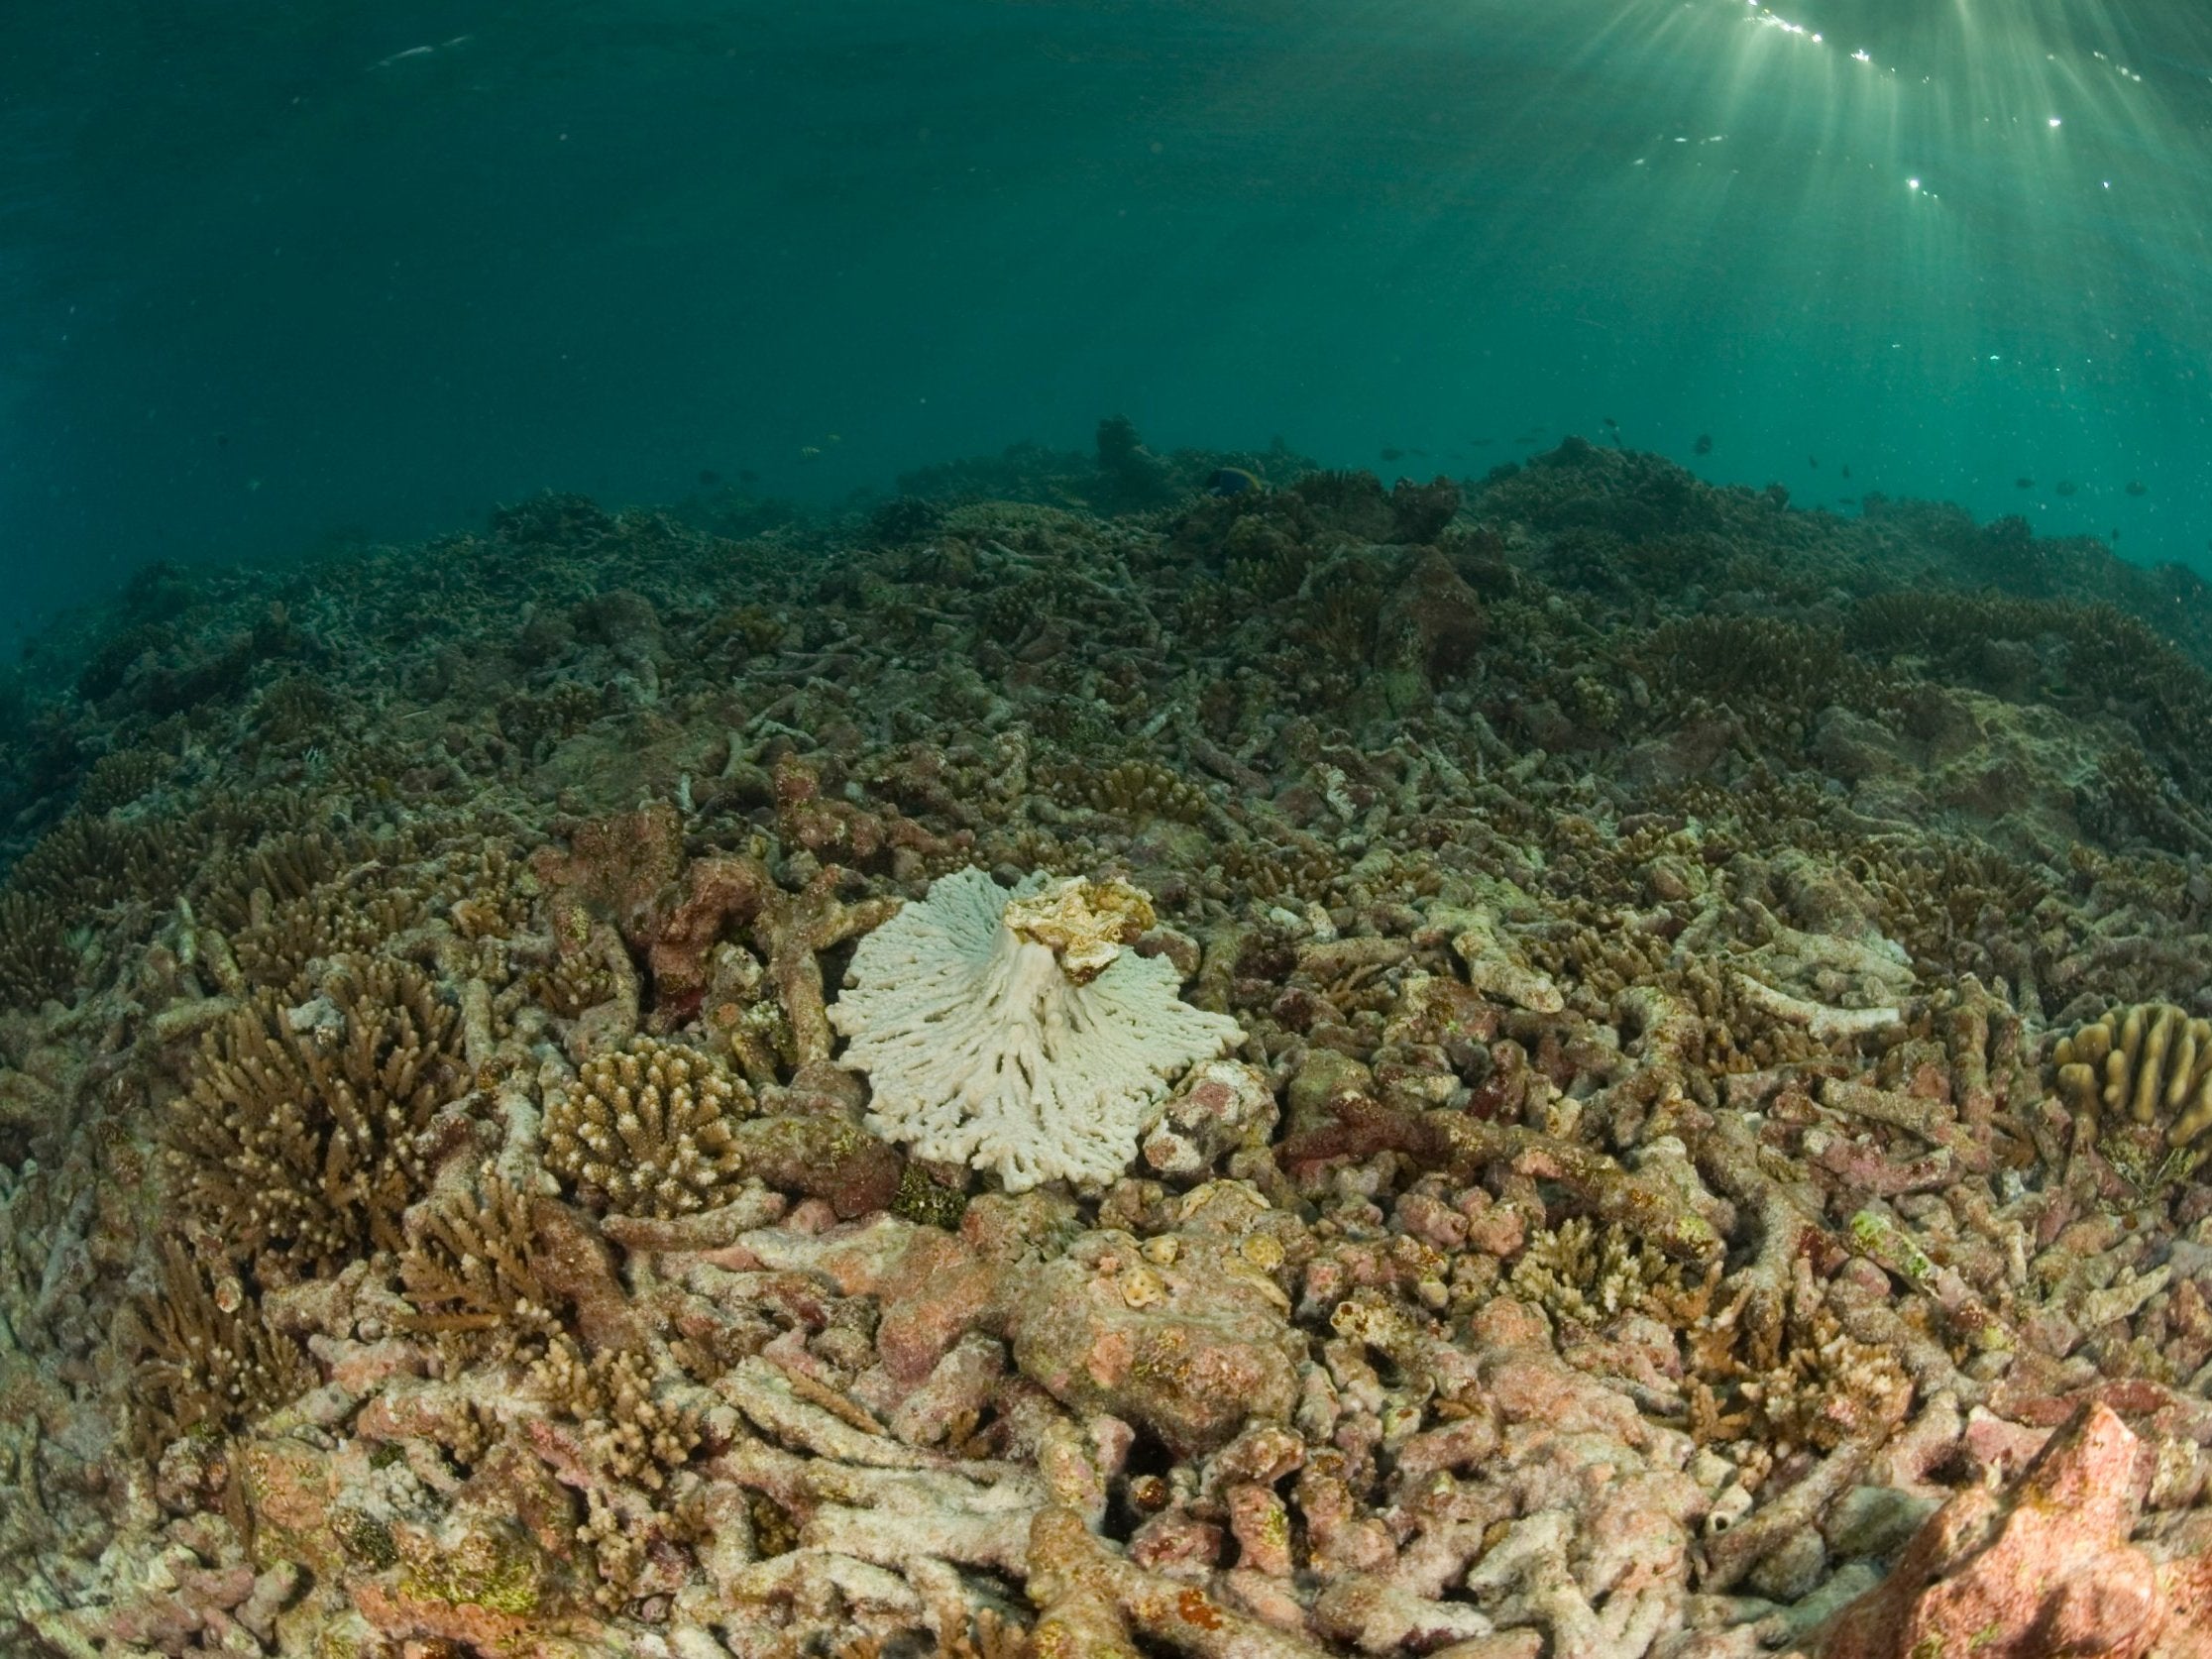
1015,1031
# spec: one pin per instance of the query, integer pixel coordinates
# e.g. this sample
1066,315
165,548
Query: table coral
1015,1031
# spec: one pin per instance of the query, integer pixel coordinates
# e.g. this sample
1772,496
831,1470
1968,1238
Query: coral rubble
1087,1061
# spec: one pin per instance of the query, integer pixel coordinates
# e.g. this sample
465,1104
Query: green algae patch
925,1201
490,1568
363,1538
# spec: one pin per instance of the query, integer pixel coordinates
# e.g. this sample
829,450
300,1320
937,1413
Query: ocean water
274,277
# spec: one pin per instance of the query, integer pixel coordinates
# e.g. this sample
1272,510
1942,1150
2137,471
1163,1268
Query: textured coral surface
1670,1065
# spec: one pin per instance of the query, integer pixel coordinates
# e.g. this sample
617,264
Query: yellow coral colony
2139,1066
1017,1032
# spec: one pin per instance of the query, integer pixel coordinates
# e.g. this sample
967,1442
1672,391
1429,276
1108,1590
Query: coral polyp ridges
2144,1069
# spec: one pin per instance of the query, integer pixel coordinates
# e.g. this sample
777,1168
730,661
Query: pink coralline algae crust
1189,1344
2042,1568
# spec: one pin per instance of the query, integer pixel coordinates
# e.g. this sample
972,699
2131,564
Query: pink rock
1996,1444
1221,1104
2043,1570
939,1290
1190,1346
1177,1543
1261,1527
360,1368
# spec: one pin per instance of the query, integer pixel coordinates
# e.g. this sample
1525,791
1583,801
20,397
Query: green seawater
277,277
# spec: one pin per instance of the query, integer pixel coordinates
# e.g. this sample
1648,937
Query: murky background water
272,276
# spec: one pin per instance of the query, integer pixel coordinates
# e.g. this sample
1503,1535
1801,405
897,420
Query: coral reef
1080,1062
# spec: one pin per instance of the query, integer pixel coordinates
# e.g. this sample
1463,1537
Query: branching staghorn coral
35,960
305,1132
209,1357
470,1272
631,1433
1137,789
646,1130
1592,1274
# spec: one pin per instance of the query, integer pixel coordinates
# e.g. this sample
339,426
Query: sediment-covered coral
1638,1199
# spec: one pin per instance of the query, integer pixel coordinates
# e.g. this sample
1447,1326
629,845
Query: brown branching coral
35,960
1800,1383
282,944
1776,675
209,1356
290,864
305,1132
1137,789
86,863
1592,1274
1300,871
471,1272
631,1434
646,1129
122,776
2094,650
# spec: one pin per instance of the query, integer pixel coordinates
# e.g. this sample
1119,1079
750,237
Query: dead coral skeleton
1015,1031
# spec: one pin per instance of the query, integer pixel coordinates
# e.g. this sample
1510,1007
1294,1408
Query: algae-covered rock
1182,1335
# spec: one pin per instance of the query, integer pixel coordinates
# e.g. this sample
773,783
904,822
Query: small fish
708,478
2065,486
1386,454
2024,483
809,452
1812,461
1610,421
1846,500
2116,535
748,476
1231,481
421,51
1704,445
1847,469
2136,486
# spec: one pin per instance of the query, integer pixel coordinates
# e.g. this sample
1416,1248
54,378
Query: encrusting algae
1092,1062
